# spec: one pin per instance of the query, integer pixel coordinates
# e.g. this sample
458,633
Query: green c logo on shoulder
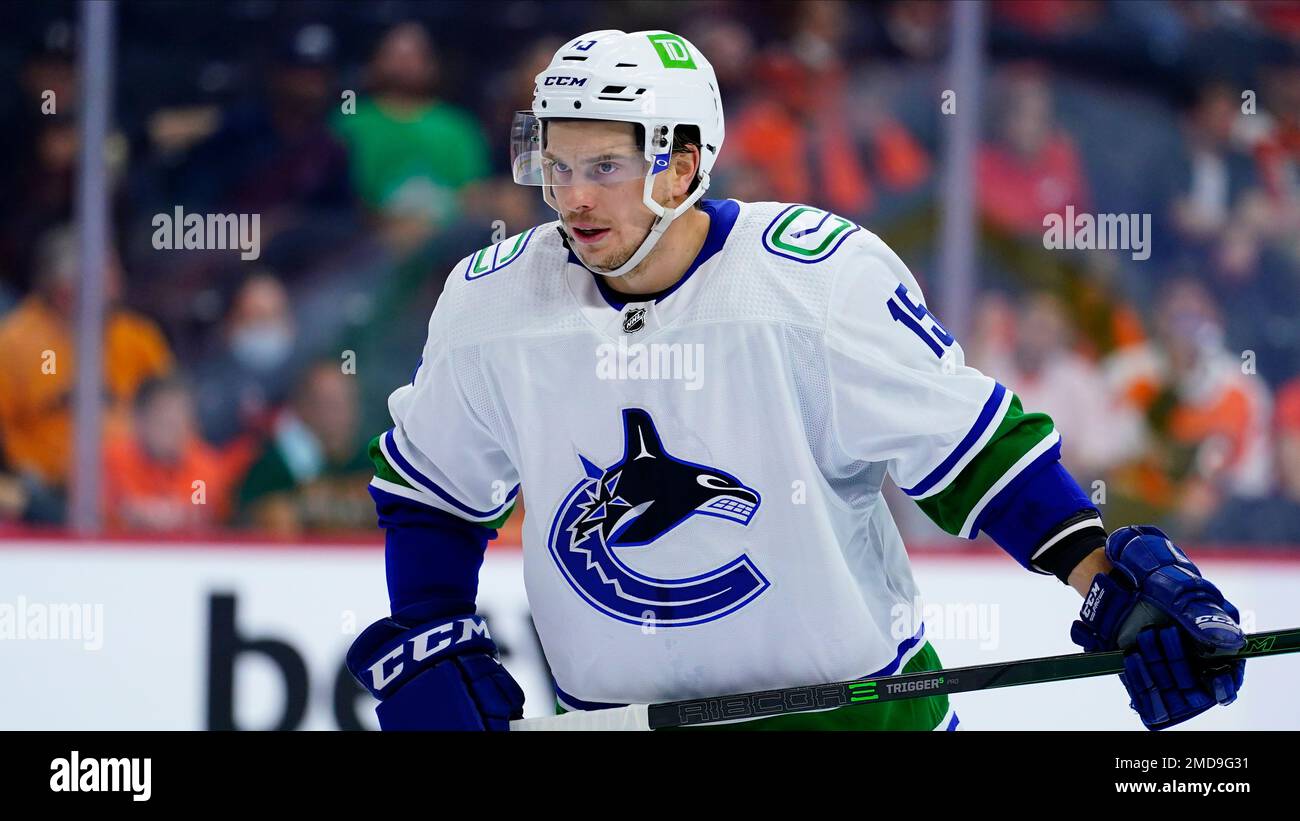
495,257
672,50
806,234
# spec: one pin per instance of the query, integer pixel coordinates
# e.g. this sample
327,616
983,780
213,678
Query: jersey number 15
936,336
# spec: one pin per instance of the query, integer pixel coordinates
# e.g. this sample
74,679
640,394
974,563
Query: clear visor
528,166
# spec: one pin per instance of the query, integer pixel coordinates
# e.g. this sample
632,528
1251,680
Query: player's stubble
619,256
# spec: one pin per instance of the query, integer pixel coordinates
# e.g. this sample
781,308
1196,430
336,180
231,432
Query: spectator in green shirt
411,153
313,474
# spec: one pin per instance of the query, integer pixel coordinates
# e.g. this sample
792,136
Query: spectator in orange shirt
1208,413
1276,518
1218,408
162,476
802,145
38,363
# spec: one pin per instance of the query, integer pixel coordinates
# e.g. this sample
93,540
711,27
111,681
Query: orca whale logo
630,505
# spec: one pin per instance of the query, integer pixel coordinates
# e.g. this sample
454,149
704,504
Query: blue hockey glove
437,676
1179,631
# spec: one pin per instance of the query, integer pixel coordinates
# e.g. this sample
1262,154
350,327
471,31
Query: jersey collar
722,217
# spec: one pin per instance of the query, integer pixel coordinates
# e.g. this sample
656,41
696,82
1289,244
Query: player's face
605,217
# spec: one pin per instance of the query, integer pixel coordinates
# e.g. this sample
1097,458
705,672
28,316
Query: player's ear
685,165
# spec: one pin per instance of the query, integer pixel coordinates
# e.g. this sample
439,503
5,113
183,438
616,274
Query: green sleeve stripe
1017,435
385,471
496,523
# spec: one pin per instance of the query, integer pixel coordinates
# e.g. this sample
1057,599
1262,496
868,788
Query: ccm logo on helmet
421,648
565,81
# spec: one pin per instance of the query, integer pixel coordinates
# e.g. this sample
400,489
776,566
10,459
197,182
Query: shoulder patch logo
496,257
806,234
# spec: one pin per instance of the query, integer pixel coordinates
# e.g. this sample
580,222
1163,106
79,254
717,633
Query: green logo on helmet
672,50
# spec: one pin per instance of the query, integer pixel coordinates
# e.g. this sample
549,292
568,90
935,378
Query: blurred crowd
372,140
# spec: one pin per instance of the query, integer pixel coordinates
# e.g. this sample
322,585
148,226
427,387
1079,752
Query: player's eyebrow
608,155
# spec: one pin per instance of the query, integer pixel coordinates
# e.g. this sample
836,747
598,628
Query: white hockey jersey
703,472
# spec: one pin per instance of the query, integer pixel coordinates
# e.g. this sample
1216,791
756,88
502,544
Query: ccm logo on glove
1094,598
389,666
1219,619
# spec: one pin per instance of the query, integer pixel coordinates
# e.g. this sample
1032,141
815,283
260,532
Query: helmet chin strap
653,236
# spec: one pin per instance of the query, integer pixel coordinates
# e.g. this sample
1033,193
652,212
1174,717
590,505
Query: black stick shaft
765,703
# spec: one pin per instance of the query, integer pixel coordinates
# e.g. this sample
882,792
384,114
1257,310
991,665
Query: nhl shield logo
634,320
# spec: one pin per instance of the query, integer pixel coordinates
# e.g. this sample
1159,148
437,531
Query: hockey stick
765,703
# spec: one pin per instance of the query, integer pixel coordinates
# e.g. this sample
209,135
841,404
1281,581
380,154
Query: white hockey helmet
655,78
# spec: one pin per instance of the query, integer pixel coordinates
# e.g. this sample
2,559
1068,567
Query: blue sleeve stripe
1048,450
431,558
902,656
393,489
399,462
571,704
988,415
1029,516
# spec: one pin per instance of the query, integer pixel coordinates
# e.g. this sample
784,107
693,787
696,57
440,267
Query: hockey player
702,399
